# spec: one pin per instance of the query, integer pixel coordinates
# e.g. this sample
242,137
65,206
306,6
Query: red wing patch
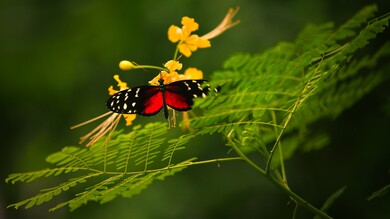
144,100
178,101
153,104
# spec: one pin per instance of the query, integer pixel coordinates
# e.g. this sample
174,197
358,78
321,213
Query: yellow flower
170,76
179,34
187,43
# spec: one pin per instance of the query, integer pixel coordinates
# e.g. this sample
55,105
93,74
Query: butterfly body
149,100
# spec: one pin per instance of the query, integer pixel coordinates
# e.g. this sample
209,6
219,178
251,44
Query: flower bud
126,65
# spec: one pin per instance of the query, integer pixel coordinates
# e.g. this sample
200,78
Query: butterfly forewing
144,100
180,94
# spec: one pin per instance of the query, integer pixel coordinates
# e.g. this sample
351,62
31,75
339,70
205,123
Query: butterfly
149,100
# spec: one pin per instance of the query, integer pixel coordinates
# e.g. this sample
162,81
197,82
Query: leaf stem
176,52
151,67
300,99
296,198
284,175
184,164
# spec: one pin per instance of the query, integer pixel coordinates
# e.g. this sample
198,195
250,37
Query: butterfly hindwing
153,103
180,94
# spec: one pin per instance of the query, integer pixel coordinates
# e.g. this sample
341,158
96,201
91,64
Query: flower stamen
108,125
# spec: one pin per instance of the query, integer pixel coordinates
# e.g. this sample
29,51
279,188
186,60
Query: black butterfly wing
180,94
144,100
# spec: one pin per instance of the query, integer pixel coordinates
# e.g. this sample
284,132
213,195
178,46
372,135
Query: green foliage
379,193
329,202
267,105
316,77
116,166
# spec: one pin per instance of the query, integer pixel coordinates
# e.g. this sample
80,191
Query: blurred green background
58,59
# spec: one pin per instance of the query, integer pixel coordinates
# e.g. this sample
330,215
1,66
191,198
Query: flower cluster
187,43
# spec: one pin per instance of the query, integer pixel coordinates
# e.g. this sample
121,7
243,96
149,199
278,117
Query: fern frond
120,184
141,146
175,145
31,176
47,194
299,83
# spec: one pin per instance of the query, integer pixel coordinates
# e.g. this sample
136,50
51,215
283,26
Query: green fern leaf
109,168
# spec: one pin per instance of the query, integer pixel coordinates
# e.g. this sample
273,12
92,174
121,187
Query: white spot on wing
136,92
195,96
133,104
188,86
124,106
203,95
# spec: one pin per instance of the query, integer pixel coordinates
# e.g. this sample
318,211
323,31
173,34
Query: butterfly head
161,81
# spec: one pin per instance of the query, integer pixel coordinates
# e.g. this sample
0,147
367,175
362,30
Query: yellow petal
192,42
174,34
193,73
122,85
184,49
170,77
154,81
129,118
193,39
112,91
167,77
173,65
189,23
203,43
